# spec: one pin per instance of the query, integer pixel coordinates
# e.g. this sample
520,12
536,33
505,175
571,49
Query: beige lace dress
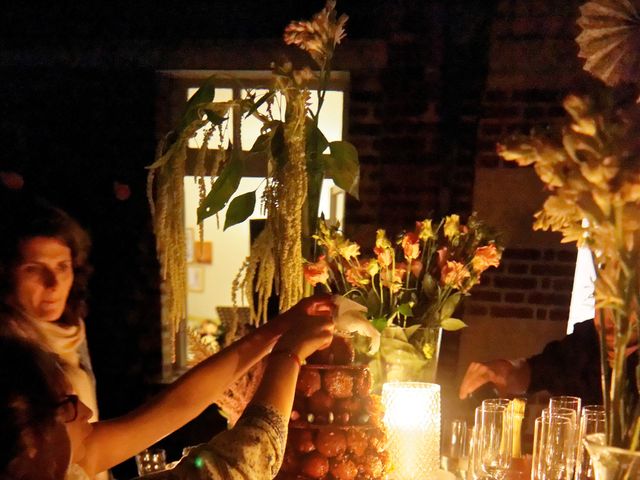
252,450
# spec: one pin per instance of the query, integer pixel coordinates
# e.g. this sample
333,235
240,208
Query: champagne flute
553,448
456,457
492,442
565,401
591,421
569,413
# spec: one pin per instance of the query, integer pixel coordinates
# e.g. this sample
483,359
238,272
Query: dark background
77,107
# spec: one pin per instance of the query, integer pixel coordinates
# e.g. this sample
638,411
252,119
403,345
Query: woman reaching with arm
113,441
44,422
253,449
43,276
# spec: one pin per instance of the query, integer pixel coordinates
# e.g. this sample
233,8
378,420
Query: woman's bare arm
113,441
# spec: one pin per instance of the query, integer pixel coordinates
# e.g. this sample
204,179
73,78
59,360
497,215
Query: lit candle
412,418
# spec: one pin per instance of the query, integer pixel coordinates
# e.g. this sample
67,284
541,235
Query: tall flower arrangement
592,172
298,158
410,287
419,277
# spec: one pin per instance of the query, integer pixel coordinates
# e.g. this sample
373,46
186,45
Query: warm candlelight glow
412,418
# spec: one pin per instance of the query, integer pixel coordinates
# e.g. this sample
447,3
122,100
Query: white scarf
67,341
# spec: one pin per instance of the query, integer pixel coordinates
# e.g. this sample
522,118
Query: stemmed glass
492,442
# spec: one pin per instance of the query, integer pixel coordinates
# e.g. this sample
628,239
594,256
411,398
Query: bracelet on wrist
289,354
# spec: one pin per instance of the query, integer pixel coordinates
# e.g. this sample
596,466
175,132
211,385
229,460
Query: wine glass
492,442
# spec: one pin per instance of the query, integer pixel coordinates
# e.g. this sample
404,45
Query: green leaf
399,351
343,166
452,324
429,285
396,332
214,117
405,309
262,143
450,305
409,331
205,94
379,323
223,188
315,143
240,209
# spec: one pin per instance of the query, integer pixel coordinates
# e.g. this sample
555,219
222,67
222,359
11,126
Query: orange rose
357,276
411,246
454,274
392,279
385,256
317,272
485,257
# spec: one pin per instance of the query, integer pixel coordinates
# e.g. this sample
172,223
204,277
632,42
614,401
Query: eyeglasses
68,408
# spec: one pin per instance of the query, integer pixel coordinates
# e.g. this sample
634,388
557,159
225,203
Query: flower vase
407,354
612,463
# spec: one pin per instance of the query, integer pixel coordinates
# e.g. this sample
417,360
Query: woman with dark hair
43,263
44,273
45,428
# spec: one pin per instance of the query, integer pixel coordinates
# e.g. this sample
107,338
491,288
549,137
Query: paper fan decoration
610,40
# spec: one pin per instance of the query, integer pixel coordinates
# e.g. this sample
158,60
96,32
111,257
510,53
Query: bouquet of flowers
415,280
592,172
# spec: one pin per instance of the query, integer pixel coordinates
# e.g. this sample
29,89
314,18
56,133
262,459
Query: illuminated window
582,300
212,266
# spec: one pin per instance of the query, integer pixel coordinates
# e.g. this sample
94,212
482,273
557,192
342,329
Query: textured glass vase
612,463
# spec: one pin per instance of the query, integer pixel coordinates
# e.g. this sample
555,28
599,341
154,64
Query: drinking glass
592,408
456,455
569,414
536,457
565,401
489,402
471,437
552,448
151,460
591,421
492,442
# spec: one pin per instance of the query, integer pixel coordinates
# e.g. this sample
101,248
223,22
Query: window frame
171,97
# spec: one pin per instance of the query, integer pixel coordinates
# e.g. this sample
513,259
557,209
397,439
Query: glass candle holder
412,419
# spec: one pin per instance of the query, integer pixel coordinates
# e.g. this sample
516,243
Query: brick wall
533,64
434,86
529,284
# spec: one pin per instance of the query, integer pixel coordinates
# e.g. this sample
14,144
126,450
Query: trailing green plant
297,155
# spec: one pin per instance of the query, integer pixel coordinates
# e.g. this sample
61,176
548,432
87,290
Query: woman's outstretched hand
320,304
310,326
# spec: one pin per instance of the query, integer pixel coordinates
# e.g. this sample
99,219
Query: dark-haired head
34,443
24,218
